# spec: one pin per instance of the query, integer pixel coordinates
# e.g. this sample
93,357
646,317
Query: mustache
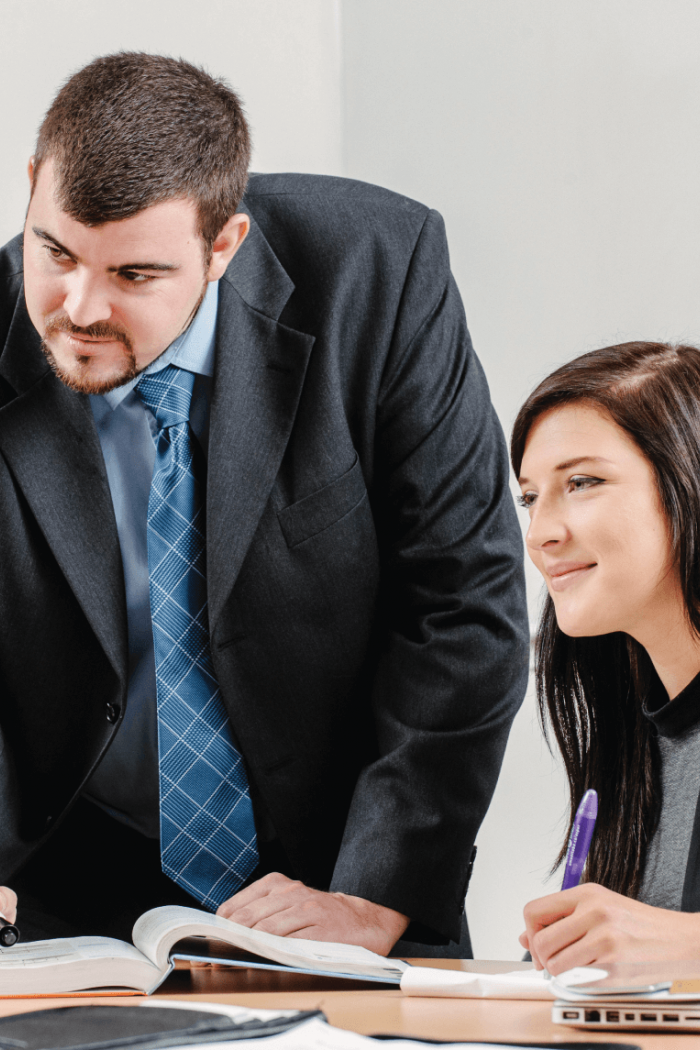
98,330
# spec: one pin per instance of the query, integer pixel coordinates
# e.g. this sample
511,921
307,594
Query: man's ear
30,171
227,243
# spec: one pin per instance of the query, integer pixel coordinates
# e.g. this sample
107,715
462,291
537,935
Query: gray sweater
677,724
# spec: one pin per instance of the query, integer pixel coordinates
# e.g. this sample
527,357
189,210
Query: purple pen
580,840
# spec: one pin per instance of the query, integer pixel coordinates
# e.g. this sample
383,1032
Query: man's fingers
8,903
290,923
257,890
254,914
315,933
288,908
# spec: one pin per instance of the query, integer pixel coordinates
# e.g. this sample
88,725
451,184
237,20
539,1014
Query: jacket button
113,712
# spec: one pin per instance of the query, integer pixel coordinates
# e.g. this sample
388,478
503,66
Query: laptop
628,1015
632,996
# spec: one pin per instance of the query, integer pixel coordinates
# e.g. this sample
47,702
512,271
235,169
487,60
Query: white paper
236,1013
458,984
317,1035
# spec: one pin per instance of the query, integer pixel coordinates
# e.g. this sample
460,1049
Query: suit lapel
260,368
48,438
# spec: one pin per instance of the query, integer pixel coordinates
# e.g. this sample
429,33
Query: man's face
107,300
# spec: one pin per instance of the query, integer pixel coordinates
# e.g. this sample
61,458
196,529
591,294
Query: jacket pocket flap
322,508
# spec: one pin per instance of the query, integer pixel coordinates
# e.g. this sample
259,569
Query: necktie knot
168,394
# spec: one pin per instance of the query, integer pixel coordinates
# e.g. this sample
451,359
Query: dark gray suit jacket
366,591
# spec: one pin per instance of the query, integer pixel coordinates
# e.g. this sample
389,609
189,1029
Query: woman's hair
592,688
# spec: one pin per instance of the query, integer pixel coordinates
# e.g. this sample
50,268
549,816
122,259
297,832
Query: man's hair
131,130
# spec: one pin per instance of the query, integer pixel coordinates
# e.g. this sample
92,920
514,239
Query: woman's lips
562,576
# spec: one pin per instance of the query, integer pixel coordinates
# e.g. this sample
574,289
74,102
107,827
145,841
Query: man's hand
8,903
280,905
589,924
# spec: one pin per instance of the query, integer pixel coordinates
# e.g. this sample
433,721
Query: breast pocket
317,512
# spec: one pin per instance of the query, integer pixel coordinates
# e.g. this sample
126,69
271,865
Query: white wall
283,58
560,142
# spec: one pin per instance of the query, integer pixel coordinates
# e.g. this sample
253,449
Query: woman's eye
526,499
579,482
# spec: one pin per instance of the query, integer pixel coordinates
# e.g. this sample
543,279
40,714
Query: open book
76,964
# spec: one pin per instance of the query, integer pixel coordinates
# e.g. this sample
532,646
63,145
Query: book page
63,950
71,964
157,931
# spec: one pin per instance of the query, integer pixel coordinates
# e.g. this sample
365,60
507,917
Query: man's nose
86,300
547,524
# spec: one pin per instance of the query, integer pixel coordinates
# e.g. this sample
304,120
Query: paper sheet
317,1035
458,984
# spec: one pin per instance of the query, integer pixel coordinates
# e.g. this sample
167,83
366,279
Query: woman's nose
547,525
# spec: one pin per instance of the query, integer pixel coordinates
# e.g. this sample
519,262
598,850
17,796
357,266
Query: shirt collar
193,350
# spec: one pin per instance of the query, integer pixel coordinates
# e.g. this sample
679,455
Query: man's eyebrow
157,266
45,236
569,463
161,267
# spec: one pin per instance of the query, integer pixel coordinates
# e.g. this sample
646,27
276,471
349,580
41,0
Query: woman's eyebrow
569,463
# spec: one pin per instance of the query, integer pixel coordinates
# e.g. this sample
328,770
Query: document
317,1035
459,984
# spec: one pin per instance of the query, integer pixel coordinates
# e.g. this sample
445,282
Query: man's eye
526,500
579,482
55,252
136,278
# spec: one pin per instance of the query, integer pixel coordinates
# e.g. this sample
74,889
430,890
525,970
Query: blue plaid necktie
207,832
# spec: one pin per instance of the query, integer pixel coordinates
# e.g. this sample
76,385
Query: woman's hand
8,903
589,924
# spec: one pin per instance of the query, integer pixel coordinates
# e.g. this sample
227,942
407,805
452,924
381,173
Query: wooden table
378,1009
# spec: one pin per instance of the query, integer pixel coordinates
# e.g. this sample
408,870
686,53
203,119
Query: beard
80,377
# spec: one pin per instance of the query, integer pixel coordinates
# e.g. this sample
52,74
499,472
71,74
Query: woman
607,452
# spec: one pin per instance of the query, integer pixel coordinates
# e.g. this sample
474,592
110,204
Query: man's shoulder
11,263
310,190
328,203
11,260
316,224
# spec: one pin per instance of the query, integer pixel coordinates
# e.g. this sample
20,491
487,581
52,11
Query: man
301,723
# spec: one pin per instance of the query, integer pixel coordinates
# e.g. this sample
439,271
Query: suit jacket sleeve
453,664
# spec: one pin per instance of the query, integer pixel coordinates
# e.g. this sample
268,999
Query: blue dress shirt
126,781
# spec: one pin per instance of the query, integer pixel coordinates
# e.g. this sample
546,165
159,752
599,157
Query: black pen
9,933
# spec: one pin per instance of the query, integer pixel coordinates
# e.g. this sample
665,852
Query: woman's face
597,532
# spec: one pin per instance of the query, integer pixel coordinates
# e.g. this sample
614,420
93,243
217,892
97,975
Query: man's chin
86,375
